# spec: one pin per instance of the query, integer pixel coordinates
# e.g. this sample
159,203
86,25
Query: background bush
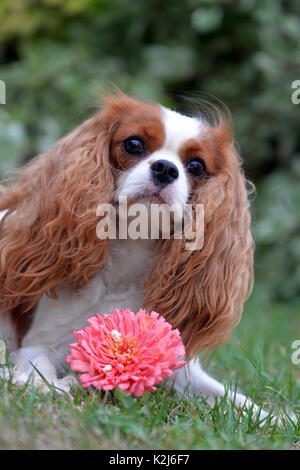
55,54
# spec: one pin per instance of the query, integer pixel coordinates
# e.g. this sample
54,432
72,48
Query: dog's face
161,156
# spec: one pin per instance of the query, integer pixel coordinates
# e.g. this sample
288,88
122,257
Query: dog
55,271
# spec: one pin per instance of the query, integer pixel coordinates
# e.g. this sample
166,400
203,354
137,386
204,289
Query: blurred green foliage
55,54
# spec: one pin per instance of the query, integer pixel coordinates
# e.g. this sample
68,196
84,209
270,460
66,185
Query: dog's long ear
202,292
48,235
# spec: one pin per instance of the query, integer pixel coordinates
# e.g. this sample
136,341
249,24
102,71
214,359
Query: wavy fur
48,235
202,292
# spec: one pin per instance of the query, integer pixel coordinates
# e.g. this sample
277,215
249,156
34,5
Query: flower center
123,348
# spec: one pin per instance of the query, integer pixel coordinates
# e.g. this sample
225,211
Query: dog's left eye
134,146
196,168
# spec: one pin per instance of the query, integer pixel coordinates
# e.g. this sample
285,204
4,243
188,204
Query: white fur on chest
118,285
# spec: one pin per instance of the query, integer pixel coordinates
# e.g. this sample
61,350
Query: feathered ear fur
48,235
202,292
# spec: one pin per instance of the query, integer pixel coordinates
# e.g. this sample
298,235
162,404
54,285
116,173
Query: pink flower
128,350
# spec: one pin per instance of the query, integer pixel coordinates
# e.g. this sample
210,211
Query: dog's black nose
164,172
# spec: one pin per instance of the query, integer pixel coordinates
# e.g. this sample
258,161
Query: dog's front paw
32,366
65,384
38,381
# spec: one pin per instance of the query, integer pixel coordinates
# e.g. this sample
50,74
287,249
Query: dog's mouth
152,197
147,195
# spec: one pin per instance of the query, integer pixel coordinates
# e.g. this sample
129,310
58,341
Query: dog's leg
33,365
41,359
192,379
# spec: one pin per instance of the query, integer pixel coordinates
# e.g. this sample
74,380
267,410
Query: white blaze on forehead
178,129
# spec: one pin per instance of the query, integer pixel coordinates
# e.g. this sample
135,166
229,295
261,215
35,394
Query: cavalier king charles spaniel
55,272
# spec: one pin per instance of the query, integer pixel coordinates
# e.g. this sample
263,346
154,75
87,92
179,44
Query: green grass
258,357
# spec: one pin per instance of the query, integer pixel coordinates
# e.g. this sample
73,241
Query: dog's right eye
134,146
